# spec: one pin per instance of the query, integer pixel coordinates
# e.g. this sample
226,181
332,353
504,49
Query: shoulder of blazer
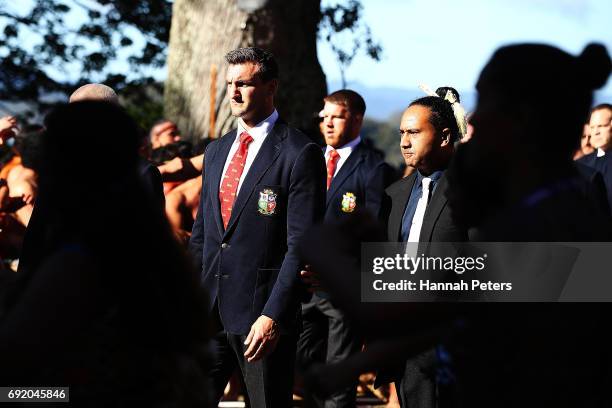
368,152
401,184
291,136
227,138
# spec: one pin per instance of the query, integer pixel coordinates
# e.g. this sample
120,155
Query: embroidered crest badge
267,202
349,202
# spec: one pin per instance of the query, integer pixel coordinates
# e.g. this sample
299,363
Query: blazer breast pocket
269,200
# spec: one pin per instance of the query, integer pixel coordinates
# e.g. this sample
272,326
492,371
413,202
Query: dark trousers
327,337
417,386
269,381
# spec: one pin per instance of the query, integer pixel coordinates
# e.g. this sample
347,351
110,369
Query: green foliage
342,18
385,137
144,102
54,46
44,39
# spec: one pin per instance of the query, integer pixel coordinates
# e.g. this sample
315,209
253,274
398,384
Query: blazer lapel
434,208
399,202
269,151
346,170
215,174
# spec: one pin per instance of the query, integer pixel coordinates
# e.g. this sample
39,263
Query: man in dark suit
419,213
356,178
600,126
263,186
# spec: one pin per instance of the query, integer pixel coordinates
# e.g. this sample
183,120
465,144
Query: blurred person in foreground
113,317
515,181
38,240
148,172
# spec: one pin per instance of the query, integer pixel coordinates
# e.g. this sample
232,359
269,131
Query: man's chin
238,113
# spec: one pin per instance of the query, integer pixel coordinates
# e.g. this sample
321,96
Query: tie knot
245,138
426,182
333,154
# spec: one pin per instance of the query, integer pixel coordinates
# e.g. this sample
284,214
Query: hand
311,278
28,198
262,339
8,127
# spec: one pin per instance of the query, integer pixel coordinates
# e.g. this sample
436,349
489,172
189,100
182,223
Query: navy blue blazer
604,166
360,184
252,267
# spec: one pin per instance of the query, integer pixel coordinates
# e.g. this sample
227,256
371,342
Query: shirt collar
260,130
600,152
435,176
345,150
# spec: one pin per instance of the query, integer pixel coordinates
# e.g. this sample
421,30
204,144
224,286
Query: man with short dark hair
263,186
356,178
419,213
600,126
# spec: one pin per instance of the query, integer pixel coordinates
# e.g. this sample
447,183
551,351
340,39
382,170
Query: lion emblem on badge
267,202
349,202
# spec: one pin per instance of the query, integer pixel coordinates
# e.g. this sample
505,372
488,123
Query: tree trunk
203,31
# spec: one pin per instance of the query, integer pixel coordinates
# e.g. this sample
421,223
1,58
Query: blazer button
224,245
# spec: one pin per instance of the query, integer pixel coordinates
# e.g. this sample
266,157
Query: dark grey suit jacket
438,226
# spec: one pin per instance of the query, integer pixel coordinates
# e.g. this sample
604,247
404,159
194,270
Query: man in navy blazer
600,124
263,186
356,176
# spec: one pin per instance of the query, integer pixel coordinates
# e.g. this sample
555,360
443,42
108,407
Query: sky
442,42
447,42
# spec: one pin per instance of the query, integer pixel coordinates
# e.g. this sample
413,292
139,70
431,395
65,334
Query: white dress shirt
600,152
259,133
344,152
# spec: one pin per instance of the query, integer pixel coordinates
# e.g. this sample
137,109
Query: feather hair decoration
460,116
427,90
458,111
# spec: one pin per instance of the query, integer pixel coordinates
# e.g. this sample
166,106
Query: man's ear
273,86
446,137
358,118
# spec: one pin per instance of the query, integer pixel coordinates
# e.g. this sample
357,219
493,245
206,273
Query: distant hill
384,102
384,107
